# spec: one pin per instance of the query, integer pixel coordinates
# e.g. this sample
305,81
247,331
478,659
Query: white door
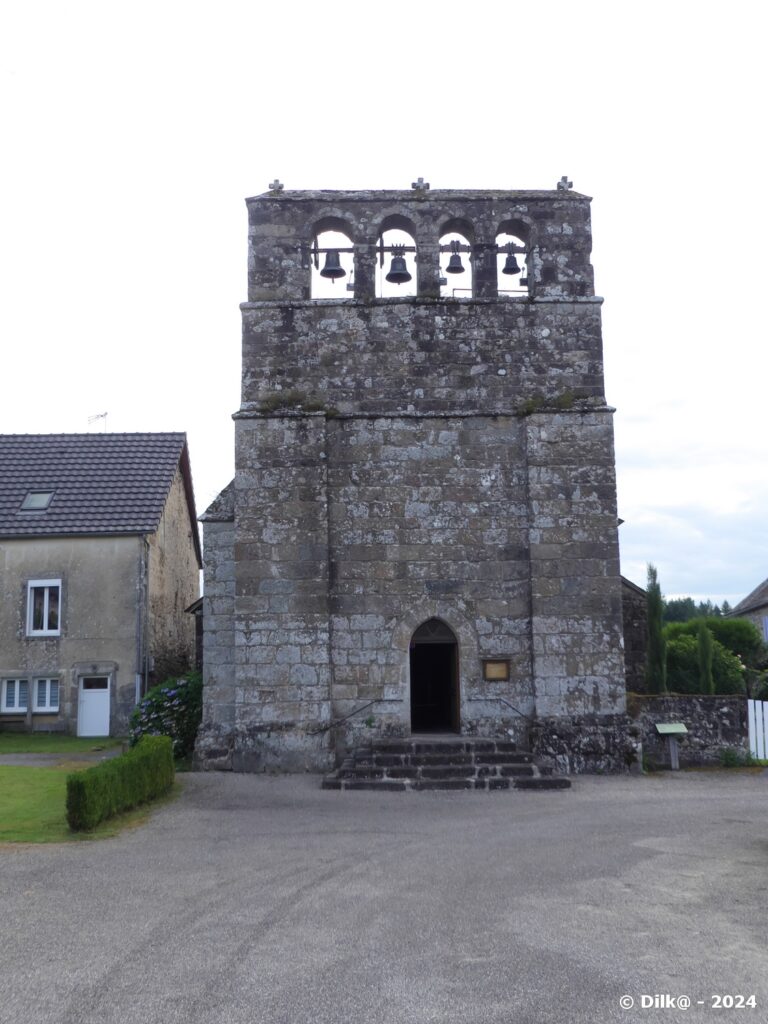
93,706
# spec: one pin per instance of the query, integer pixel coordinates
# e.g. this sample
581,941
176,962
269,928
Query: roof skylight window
36,501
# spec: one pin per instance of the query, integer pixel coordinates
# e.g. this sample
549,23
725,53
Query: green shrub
683,667
760,686
727,670
117,785
682,664
740,636
174,708
732,757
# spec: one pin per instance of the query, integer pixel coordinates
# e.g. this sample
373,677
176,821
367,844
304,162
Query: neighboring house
755,608
99,558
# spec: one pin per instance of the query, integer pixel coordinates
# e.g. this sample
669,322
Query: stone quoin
421,535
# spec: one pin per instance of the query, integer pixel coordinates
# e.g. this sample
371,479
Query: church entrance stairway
446,762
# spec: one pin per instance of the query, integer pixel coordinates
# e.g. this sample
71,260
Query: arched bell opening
456,271
434,678
396,260
332,261
512,252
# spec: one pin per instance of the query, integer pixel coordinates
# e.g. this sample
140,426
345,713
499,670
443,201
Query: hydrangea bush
173,708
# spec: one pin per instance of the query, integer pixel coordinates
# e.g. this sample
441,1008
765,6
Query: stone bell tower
421,535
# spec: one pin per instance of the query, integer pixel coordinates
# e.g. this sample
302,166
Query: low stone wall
713,724
578,744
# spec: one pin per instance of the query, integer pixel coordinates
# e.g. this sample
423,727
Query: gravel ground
260,899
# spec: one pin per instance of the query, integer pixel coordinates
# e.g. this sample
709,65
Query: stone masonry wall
634,602
593,744
217,733
428,517
713,724
174,583
282,623
406,459
576,623
354,531
422,356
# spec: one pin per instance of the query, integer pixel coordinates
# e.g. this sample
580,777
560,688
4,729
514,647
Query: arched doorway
434,663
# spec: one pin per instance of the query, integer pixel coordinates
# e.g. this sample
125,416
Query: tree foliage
704,644
683,609
679,609
656,667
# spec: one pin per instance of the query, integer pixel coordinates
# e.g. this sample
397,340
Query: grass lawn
32,807
53,743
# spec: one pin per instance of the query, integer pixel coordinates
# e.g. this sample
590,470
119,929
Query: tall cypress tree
656,667
704,642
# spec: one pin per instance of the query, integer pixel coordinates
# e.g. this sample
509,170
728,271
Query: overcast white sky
132,132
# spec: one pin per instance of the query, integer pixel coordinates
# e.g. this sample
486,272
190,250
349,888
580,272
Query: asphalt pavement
264,900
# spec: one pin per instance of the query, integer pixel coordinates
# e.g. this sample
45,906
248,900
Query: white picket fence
757,711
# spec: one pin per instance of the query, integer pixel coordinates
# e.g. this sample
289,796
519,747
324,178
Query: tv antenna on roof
99,416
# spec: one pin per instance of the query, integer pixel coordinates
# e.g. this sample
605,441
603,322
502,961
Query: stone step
544,782
439,771
424,785
423,746
446,757
463,763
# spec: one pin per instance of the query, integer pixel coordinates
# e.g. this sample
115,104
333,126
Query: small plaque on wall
496,669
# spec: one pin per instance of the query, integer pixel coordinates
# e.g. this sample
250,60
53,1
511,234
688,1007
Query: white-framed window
765,628
14,697
44,608
46,695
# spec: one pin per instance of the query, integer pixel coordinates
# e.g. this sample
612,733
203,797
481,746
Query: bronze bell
511,266
398,272
455,266
333,267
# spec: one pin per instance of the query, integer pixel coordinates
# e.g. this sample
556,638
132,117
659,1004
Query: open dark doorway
434,679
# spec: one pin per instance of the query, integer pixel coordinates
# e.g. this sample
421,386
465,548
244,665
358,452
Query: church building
421,535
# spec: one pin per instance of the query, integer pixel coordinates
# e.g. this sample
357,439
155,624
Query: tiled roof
757,599
101,483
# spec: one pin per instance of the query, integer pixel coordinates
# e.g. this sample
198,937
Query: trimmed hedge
121,783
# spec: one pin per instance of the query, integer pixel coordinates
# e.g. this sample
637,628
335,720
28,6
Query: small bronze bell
511,266
333,267
455,266
398,272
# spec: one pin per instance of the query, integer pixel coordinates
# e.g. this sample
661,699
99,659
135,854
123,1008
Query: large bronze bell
398,272
333,267
511,266
455,266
